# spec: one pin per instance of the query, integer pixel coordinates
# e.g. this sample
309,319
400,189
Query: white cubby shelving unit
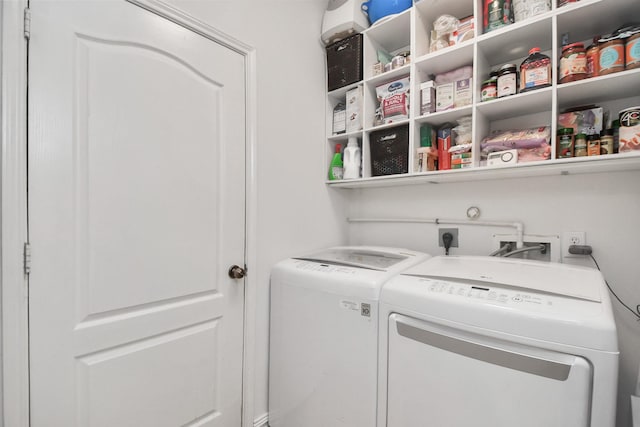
409,30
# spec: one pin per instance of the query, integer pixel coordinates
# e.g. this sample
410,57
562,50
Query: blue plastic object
376,9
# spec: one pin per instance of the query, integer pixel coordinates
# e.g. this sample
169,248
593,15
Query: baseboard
262,421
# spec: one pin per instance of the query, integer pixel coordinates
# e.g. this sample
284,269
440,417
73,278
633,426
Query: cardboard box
459,162
462,166
444,97
629,138
444,143
464,32
427,97
463,94
354,109
583,121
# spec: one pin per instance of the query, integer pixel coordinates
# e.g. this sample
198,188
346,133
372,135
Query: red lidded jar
535,71
573,63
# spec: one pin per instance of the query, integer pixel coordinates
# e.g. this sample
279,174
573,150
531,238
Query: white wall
605,206
1,363
296,212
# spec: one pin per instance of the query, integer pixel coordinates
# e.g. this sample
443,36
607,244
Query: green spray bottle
336,168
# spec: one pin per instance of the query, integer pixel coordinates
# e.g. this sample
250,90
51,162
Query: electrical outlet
572,238
454,233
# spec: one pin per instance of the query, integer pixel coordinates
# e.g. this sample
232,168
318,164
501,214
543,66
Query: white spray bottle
351,159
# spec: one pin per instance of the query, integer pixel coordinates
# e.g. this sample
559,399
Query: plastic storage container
344,62
336,169
352,160
535,71
389,149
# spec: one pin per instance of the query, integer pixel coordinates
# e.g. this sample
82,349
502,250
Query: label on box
444,143
354,109
461,156
583,121
629,138
462,166
444,97
463,94
339,121
427,97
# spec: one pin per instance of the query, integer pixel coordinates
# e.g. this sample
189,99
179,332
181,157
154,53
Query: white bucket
523,9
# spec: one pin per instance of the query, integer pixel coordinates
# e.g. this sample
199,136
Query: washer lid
369,258
560,279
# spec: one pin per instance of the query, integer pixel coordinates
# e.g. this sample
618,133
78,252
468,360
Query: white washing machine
495,342
324,335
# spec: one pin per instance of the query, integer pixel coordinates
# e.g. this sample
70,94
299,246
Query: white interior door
136,201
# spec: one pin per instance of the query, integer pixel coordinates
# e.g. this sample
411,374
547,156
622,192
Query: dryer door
438,376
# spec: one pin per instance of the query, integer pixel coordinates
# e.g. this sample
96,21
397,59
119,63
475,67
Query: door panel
177,161
441,376
136,205
148,372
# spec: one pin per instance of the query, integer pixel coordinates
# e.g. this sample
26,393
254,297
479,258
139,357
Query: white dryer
324,335
495,342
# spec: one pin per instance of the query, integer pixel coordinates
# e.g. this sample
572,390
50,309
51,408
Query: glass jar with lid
564,143
489,90
611,55
507,80
632,54
573,63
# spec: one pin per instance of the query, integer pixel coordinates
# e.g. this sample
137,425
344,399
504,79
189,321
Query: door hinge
27,23
26,256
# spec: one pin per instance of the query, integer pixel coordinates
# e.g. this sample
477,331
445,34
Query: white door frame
14,351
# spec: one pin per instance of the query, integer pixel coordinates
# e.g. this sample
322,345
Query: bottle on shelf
535,71
352,159
593,58
507,80
336,169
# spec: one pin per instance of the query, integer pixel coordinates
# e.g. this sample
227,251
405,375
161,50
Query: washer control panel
486,293
324,268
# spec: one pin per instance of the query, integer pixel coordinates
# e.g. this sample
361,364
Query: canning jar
497,14
564,143
535,71
489,90
593,145
573,63
580,145
507,80
606,141
611,55
633,49
593,58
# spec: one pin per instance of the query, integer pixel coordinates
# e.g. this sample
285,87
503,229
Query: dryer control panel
486,293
